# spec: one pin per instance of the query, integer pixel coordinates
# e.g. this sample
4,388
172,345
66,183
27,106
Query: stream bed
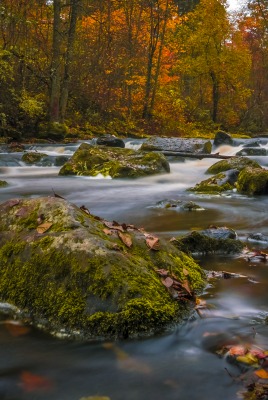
179,365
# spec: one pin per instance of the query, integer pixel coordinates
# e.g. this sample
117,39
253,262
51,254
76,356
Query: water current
179,365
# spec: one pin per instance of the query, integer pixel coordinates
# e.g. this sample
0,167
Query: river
179,365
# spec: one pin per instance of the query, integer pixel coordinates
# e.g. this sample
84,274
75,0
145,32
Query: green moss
32,158
253,181
198,243
214,185
232,163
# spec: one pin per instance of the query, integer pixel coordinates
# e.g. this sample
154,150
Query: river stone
110,140
177,144
253,181
252,151
32,157
3,184
72,272
258,237
115,162
222,137
213,240
216,184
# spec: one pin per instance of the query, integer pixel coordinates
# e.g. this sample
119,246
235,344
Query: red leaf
31,382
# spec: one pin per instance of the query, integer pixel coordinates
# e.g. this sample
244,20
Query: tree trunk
55,70
215,96
68,58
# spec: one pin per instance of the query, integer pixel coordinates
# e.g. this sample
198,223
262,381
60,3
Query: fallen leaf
113,225
31,382
107,231
185,271
162,272
238,351
262,373
247,359
42,228
186,286
259,353
125,238
152,242
168,282
86,210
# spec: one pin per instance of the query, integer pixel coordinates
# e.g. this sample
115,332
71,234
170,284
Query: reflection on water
181,364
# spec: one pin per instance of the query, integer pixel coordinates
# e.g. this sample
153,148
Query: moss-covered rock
253,181
214,185
3,184
232,163
115,162
32,157
199,242
66,269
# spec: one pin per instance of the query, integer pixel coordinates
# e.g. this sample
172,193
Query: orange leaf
238,351
125,238
186,286
107,231
16,329
262,373
185,271
42,228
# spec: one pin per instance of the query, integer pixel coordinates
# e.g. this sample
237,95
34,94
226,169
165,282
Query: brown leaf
107,231
185,271
125,238
168,282
111,225
238,350
162,272
16,329
86,210
152,242
42,228
186,286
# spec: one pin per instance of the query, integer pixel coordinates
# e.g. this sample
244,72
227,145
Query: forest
170,67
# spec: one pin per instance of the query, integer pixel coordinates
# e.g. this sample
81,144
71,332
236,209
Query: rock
191,206
110,140
3,183
222,137
177,204
115,162
74,273
216,184
252,151
237,163
253,181
177,144
32,157
258,237
209,241
252,143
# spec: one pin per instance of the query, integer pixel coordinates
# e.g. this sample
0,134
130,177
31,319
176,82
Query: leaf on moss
42,228
107,231
247,359
185,271
238,350
125,238
152,242
113,225
168,282
186,286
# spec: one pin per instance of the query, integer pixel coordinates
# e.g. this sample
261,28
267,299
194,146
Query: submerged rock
216,184
258,237
115,162
178,204
33,157
177,144
252,151
70,271
213,240
3,184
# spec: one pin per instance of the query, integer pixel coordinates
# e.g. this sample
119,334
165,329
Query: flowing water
179,365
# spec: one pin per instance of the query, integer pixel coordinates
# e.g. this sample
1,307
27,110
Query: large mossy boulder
177,144
115,162
237,163
253,181
221,138
32,157
67,269
216,184
3,184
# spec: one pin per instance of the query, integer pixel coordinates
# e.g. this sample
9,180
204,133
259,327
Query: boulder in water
110,140
69,270
177,144
253,181
32,157
252,151
115,162
221,138
237,163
